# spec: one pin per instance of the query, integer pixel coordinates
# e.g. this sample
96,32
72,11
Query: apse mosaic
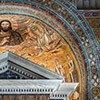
55,35
38,42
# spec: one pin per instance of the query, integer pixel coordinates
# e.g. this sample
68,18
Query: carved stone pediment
19,76
13,66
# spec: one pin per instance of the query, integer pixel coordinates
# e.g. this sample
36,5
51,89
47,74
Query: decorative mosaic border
87,40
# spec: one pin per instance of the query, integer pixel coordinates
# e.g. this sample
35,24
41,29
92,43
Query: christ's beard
5,30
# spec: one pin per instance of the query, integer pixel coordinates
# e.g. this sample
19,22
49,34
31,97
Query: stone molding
55,88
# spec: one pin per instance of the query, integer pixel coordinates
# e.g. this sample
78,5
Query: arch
64,18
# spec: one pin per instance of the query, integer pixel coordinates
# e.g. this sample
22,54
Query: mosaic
35,41
81,46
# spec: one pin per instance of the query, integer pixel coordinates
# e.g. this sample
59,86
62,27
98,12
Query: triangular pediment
17,67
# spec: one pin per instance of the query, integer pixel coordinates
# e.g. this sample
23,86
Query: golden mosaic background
50,53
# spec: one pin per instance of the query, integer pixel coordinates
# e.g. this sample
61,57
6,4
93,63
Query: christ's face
5,26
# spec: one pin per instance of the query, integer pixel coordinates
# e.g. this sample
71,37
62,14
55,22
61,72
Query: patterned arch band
71,25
